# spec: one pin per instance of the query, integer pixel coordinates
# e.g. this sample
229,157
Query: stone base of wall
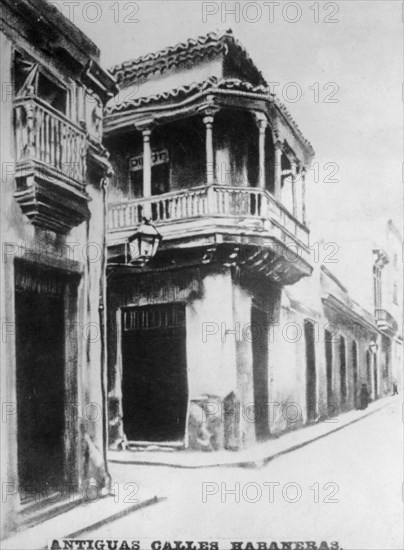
214,423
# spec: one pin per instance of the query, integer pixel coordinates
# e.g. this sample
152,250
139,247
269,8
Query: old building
226,336
52,271
388,301
323,349
350,333
377,284
202,149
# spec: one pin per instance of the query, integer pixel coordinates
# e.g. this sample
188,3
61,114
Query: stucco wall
70,253
211,357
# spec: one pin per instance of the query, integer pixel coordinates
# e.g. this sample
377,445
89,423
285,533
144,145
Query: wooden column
262,123
303,184
210,170
293,166
278,170
147,167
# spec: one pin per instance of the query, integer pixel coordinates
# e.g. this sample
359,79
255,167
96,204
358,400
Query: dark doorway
369,371
376,381
40,354
154,379
328,360
355,371
259,335
311,387
342,370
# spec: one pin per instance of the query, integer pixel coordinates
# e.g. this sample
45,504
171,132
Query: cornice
337,305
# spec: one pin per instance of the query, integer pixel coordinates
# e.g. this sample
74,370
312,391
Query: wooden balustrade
46,136
213,200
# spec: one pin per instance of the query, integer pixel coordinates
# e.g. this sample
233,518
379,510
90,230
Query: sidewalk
255,456
87,517
78,520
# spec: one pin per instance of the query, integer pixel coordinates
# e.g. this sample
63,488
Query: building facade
388,301
218,165
232,333
227,336
377,285
54,169
224,322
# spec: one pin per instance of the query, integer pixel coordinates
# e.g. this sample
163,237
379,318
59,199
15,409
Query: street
343,487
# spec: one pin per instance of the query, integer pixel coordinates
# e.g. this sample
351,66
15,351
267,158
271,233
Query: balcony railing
45,136
385,321
214,201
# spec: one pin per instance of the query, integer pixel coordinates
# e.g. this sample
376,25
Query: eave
188,100
44,27
338,306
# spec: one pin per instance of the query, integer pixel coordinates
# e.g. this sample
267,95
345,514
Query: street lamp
143,244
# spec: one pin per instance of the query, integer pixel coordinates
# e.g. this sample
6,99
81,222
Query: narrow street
361,507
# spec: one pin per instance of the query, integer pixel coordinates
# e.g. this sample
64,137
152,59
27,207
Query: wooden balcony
245,216
386,322
50,166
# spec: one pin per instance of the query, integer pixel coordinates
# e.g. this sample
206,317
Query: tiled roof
211,84
174,93
208,45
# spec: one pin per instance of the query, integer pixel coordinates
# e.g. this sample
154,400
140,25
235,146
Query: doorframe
118,383
369,371
329,365
355,371
71,441
72,437
376,378
343,381
263,310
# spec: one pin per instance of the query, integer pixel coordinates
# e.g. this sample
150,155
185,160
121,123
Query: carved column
146,163
303,184
278,170
293,173
210,171
262,123
147,170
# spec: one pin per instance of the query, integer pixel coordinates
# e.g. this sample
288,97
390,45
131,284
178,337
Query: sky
337,66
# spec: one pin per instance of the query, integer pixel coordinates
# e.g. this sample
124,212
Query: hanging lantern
143,245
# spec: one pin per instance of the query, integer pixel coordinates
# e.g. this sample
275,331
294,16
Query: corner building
201,148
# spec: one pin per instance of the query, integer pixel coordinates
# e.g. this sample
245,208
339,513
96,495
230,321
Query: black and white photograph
201,279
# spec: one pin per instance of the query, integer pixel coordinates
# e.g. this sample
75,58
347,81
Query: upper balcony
386,322
248,209
201,147
50,165
58,133
216,207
